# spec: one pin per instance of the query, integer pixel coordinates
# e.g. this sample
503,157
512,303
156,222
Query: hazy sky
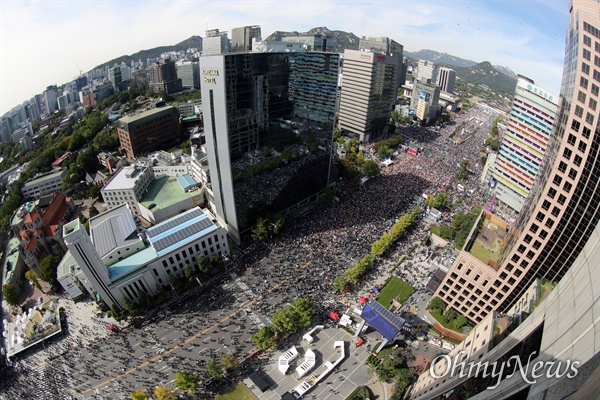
40,39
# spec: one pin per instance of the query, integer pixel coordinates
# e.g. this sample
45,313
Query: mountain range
500,79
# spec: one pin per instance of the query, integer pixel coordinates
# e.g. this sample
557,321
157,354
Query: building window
533,228
567,153
549,223
593,103
567,187
585,68
587,40
543,234
586,132
583,82
540,215
587,54
589,118
552,193
530,254
577,160
561,199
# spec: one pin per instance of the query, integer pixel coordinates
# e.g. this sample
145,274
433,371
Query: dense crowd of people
301,262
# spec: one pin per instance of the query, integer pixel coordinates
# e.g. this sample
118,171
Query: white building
215,42
446,78
426,72
44,184
128,185
171,245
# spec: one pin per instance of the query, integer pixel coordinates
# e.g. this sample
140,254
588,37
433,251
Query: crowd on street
303,261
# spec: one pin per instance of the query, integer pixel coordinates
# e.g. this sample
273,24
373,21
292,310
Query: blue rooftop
179,230
132,262
186,182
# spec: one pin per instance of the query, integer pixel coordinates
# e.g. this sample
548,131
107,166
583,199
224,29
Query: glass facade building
269,130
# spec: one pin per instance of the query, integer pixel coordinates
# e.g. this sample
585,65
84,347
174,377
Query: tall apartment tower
426,72
524,145
268,128
369,92
446,78
241,38
563,207
215,42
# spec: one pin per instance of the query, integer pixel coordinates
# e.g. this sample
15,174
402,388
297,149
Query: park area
238,392
396,289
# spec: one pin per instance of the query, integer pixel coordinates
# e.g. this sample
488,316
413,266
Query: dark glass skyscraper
269,128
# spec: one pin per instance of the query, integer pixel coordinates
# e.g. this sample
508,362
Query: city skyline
528,37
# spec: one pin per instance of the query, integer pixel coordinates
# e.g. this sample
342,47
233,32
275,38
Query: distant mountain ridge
485,73
500,79
189,43
340,39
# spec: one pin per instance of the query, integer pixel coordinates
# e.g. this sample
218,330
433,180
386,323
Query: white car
448,346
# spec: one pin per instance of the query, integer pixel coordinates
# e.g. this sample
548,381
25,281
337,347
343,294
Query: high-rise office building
313,41
563,207
386,46
50,96
425,100
241,38
215,42
189,73
446,78
369,92
426,72
268,127
524,144
163,76
114,76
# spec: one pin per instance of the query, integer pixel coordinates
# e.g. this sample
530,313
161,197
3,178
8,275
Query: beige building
563,207
369,91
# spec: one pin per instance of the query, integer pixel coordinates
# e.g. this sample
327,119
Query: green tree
302,312
437,304
339,283
204,265
175,281
214,369
188,272
187,381
284,321
93,212
48,267
165,392
495,144
139,395
463,174
94,191
229,362
460,321
440,201
451,315
264,338
31,276
370,168
9,291
403,378
260,231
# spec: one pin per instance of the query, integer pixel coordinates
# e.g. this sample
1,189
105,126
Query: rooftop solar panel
181,234
382,320
165,226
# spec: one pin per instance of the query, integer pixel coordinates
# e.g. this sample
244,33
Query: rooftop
125,178
22,212
12,257
129,122
113,228
64,267
164,192
134,264
43,177
184,228
489,239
